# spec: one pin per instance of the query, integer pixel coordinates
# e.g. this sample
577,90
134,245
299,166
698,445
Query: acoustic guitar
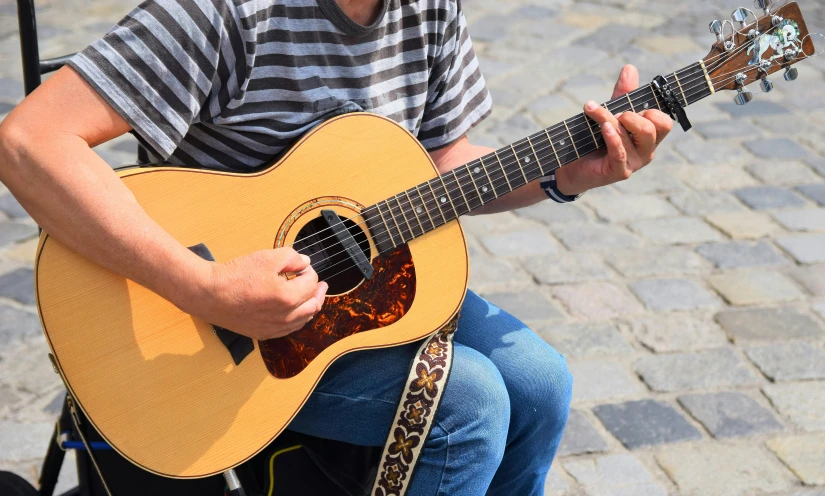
182,398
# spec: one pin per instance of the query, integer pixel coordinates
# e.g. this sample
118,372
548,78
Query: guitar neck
421,209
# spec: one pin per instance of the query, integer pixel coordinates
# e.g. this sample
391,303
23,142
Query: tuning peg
791,73
743,97
740,15
716,28
765,5
766,85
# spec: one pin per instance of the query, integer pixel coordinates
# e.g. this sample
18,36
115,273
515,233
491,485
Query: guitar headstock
751,48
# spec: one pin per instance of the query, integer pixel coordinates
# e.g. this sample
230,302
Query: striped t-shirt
230,84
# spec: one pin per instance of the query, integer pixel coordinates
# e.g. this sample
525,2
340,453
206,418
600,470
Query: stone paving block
580,436
738,254
505,222
723,470
8,398
751,287
818,164
552,109
809,219
565,268
17,325
709,369
756,108
598,380
725,129
650,180
657,261
675,230
590,237
614,475
812,277
804,455
21,442
519,244
554,215
11,232
815,192
768,197
577,341
556,485
806,249
729,414
769,324
625,208
12,208
637,424
597,300
706,202
714,177
819,308
23,252
489,274
677,332
802,402
528,306
18,285
781,148
789,361
790,174
716,153
673,294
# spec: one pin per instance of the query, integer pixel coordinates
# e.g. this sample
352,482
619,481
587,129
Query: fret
485,188
424,206
509,188
538,162
630,102
404,216
590,127
386,226
518,161
447,198
681,89
656,97
550,140
437,203
415,212
572,140
460,190
468,187
707,77
397,226
472,179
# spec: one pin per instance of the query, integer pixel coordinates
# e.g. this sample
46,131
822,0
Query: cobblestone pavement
689,301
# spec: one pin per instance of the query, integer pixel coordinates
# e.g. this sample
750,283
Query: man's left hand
631,140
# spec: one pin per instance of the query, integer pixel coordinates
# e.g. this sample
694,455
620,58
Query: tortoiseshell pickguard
379,302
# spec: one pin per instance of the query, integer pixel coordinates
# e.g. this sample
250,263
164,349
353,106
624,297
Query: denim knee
543,390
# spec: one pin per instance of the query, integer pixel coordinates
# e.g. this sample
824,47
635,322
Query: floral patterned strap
416,412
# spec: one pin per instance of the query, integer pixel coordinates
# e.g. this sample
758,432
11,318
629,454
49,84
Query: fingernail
608,129
305,258
591,105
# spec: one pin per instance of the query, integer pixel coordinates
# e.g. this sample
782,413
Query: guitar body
158,384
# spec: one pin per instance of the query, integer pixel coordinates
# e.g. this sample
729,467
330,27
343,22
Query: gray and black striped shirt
229,84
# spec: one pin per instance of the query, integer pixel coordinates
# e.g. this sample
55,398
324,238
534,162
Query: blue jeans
500,421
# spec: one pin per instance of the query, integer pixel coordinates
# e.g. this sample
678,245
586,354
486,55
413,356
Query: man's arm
47,163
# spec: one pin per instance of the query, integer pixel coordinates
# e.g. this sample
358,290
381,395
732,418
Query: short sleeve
457,97
167,65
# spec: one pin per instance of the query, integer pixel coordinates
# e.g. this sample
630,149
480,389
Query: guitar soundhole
327,255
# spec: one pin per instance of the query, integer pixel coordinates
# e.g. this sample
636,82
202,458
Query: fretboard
421,209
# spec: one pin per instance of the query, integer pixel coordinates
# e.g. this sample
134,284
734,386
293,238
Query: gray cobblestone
618,475
657,261
528,306
751,287
709,369
705,202
566,268
12,208
806,249
810,219
802,402
768,324
11,232
17,325
815,192
704,153
637,424
555,214
790,174
597,300
673,294
767,197
675,230
677,332
742,254
580,436
789,361
578,341
18,285
491,274
781,148
625,208
21,442
521,243
818,164
730,414
803,455
596,238
753,109
599,380
556,485
715,130
812,277
650,180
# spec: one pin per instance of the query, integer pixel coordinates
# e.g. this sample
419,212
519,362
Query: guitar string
410,231
581,128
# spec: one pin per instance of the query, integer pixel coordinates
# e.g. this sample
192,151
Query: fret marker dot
526,160
443,200
484,189
418,209
477,170
647,105
561,142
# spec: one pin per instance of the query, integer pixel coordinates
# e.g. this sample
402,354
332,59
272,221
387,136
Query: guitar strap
416,412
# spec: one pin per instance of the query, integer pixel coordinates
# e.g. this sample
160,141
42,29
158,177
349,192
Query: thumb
293,262
628,81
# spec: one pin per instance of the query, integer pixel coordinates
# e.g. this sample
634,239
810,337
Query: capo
675,109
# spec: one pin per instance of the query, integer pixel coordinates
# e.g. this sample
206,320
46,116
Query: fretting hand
631,140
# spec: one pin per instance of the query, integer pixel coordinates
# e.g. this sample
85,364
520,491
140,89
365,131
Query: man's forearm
76,198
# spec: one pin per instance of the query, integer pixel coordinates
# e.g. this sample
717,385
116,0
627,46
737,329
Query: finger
599,114
303,287
616,151
320,294
661,121
292,261
643,135
628,81
304,313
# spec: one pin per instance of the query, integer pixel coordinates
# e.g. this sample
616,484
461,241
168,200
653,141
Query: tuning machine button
743,97
765,5
766,85
716,28
740,15
791,73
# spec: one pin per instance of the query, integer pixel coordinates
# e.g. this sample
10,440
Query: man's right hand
250,295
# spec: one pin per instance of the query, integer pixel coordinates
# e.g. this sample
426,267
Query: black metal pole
28,44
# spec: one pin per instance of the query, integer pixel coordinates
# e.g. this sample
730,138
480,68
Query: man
229,85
